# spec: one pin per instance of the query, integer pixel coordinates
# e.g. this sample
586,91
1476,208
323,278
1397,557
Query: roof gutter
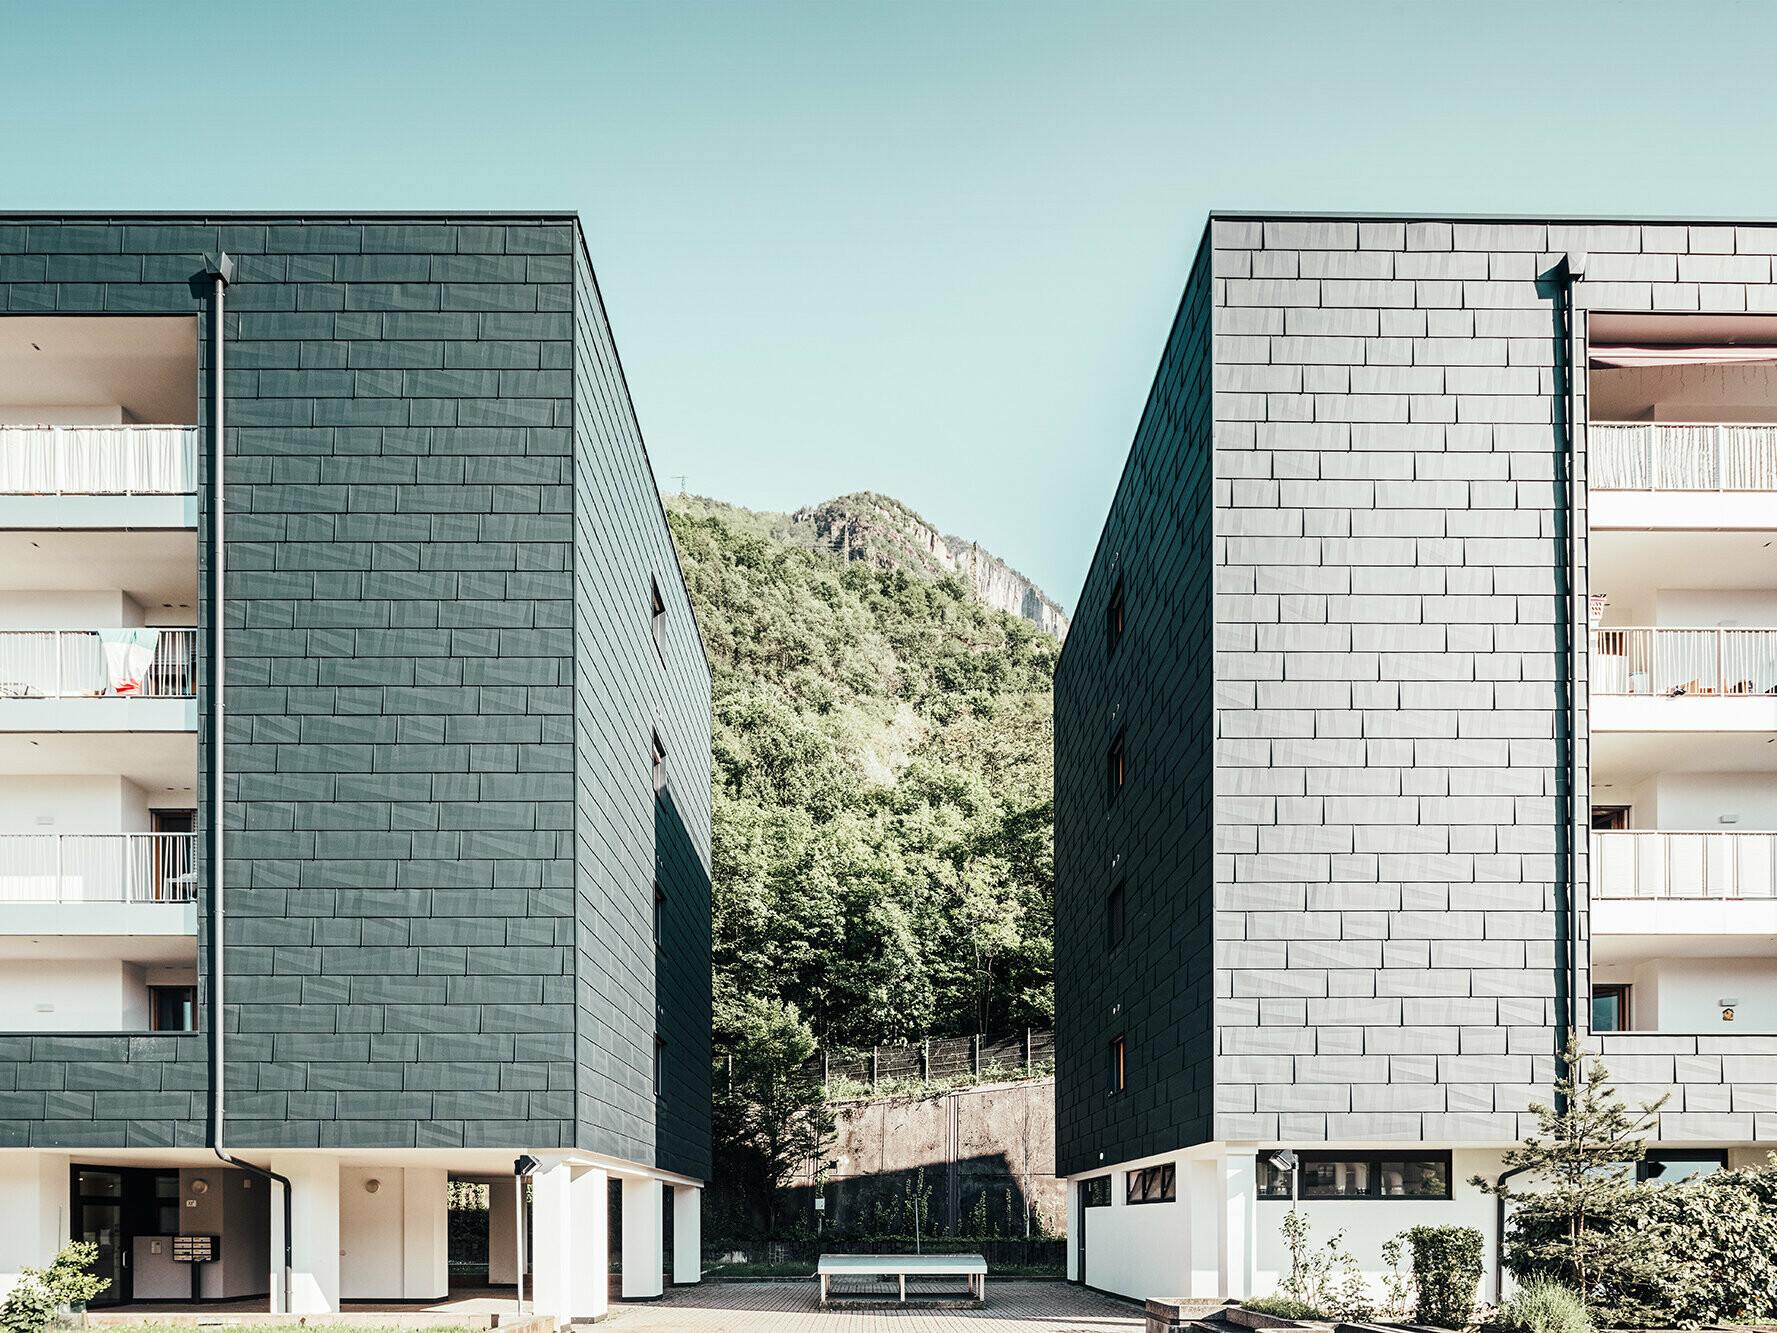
220,274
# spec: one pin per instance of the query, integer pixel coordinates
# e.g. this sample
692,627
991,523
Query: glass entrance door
98,1213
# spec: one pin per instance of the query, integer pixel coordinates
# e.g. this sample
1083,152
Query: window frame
1116,773
1372,1159
657,622
1118,1066
1114,612
1090,1187
154,999
659,757
1116,916
1719,1156
1623,991
1160,1180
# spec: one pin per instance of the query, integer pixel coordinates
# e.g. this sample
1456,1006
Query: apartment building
1420,706
354,764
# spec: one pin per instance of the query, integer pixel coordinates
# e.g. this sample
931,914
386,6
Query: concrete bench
970,1267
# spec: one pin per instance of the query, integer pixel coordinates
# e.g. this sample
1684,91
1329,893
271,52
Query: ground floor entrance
328,1230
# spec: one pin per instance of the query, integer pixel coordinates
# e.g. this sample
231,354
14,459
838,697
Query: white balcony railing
97,868
1672,457
90,664
1675,662
98,460
1659,864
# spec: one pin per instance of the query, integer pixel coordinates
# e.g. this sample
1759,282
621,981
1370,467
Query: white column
34,1220
1071,1212
425,1222
642,1257
570,1246
1239,1177
502,1233
314,1230
1205,1222
687,1235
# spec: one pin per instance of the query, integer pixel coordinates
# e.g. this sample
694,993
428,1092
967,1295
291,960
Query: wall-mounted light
200,1186
372,1185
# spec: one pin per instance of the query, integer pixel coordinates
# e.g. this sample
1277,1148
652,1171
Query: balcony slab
38,925
1691,712
1700,511
60,715
49,512
1676,927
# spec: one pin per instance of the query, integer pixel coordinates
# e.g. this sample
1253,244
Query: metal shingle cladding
411,763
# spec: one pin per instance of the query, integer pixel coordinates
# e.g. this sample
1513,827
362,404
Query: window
659,618
1154,1184
1610,818
1610,1008
1334,1175
1114,768
172,1008
659,1064
1113,918
1113,620
1096,1192
659,908
1669,1168
659,763
1116,1065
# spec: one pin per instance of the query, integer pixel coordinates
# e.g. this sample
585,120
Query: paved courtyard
790,1307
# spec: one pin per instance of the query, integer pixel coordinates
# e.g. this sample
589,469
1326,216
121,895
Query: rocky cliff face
888,534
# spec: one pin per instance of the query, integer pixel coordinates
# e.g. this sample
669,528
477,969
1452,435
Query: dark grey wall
410,432
1155,989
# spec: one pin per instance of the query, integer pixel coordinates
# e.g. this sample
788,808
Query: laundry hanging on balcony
128,655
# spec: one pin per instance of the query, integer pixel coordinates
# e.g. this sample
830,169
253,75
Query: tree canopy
883,788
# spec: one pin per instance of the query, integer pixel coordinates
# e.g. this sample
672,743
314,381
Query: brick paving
790,1307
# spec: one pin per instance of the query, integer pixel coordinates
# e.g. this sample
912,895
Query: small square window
659,763
1116,1065
1113,620
659,621
1096,1192
1113,918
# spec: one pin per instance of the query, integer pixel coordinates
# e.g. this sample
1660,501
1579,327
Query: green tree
1583,1156
771,1115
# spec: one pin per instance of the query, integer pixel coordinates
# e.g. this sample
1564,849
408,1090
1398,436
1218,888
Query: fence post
1027,1050
826,1077
925,1060
976,1040
874,1053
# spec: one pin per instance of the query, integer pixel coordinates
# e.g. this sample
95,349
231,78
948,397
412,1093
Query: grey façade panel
1153,986
402,791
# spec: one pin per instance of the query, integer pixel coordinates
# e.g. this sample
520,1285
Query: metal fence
97,867
73,664
1674,456
1658,864
938,1059
98,460
1673,662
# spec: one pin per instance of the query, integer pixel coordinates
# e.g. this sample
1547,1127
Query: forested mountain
883,786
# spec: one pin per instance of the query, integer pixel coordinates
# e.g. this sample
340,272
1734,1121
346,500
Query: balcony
98,680
98,476
1647,678
1678,475
98,884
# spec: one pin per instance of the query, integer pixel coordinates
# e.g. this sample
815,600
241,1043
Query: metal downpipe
221,273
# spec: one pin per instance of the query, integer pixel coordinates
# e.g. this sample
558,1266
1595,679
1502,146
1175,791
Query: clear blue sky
927,249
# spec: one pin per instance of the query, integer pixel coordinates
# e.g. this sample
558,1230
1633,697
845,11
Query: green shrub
1280,1307
1543,1305
29,1306
1446,1271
